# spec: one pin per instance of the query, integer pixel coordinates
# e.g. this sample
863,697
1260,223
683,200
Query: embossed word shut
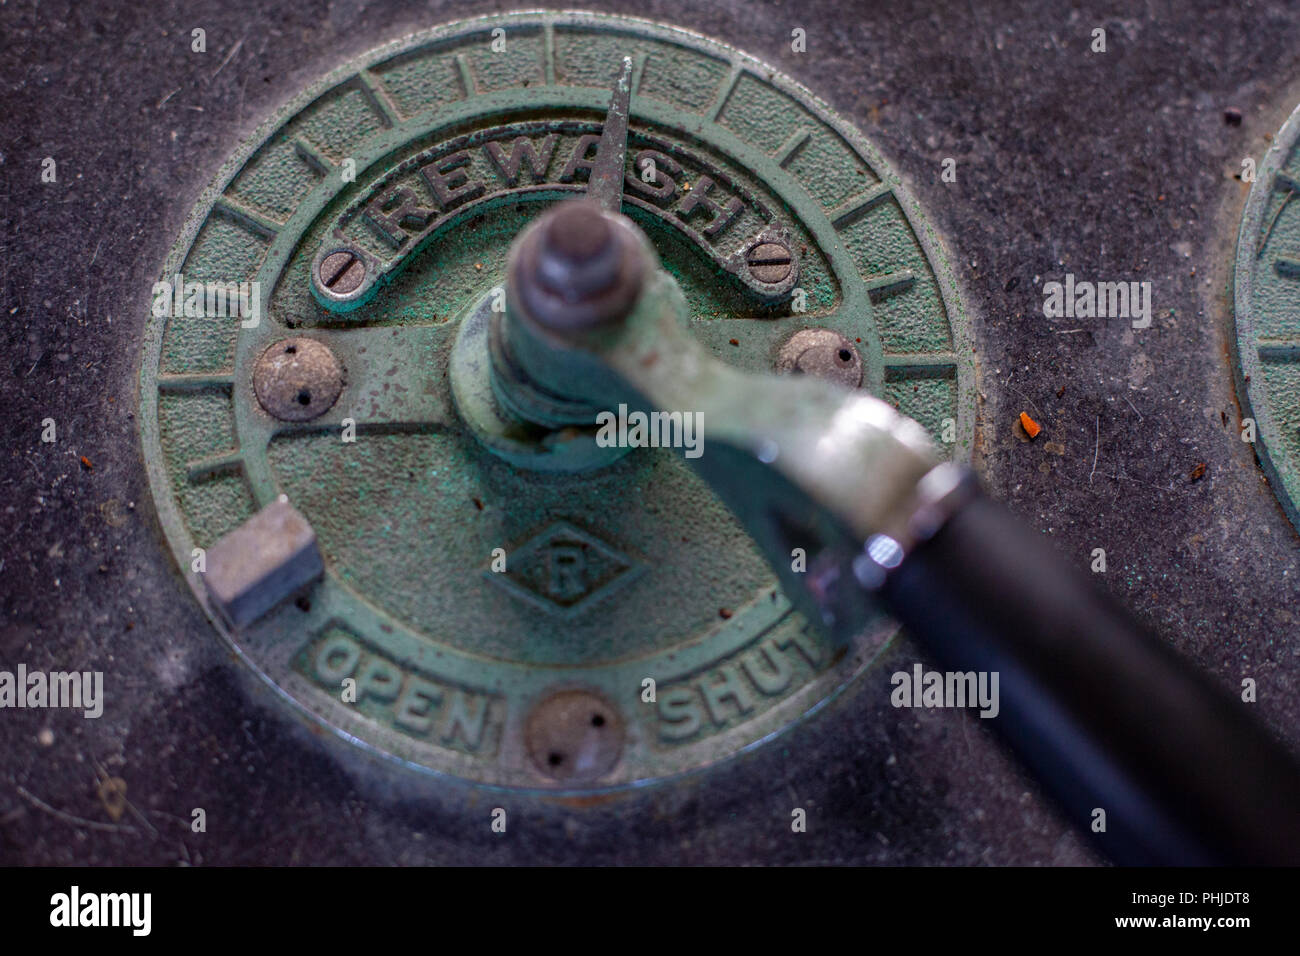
733,690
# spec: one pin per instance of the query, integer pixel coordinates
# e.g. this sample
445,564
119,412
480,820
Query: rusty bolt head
824,354
573,736
297,379
341,272
577,268
578,256
769,262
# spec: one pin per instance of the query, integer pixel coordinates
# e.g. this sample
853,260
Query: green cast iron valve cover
502,619
1267,321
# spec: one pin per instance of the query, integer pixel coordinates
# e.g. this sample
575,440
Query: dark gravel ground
1114,166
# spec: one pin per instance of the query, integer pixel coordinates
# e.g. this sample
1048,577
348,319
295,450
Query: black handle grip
1106,714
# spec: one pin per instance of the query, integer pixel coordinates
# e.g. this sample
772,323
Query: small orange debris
1030,426
85,463
735,341
1198,472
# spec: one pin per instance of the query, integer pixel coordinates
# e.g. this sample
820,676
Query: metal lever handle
1106,714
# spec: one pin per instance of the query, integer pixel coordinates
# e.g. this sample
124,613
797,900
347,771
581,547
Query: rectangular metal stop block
261,563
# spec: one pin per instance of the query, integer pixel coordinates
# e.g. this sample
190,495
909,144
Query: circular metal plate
1267,315
629,588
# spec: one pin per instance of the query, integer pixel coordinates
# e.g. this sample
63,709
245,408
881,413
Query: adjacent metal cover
1268,316
373,213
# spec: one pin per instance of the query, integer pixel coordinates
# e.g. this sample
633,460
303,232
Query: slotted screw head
341,272
769,262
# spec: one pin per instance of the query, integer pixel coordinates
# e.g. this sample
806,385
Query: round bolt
573,736
824,354
297,379
769,262
577,268
578,232
341,272
578,255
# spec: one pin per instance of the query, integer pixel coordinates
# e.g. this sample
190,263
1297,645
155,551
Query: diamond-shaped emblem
564,569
